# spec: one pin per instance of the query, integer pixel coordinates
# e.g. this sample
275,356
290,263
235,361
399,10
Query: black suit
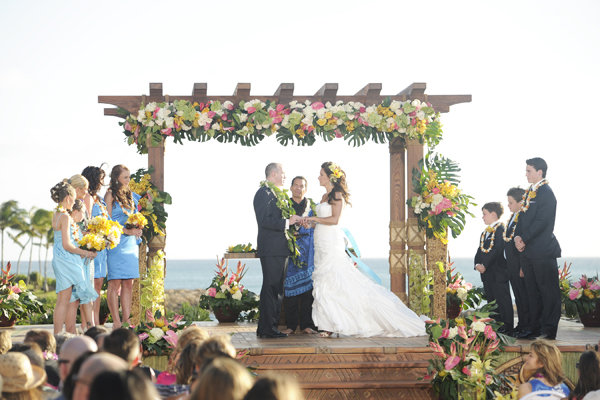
536,228
513,263
495,277
272,248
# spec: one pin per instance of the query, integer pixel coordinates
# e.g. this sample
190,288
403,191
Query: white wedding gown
348,302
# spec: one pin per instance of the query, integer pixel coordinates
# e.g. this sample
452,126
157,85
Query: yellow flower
321,121
300,133
459,321
165,328
532,195
442,373
350,126
328,115
159,323
588,293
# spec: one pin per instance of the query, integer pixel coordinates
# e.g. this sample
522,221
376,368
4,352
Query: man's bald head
71,349
91,368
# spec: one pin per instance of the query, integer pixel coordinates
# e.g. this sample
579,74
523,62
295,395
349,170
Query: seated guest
192,333
222,379
68,385
545,361
122,385
5,341
124,343
147,372
186,362
47,343
589,375
216,346
96,331
71,350
92,367
21,379
271,386
61,338
36,357
491,264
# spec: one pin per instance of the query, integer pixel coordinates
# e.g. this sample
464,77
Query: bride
346,301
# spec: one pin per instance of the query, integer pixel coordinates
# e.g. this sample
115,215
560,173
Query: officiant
298,285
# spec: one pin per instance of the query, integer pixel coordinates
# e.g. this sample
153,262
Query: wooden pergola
404,232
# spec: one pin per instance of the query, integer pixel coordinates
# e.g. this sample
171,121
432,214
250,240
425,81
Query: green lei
284,203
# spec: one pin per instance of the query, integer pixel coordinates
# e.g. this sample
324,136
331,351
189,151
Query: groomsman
535,239
490,262
513,262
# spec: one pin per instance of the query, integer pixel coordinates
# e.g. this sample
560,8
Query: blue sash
362,267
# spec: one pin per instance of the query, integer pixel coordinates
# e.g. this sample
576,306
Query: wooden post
397,258
437,252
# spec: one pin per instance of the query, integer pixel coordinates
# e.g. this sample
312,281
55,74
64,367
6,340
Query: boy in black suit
535,239
490,262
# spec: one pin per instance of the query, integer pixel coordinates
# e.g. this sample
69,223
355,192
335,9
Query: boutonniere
531,194
492,231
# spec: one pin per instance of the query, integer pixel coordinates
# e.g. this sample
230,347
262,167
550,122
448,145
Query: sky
531,67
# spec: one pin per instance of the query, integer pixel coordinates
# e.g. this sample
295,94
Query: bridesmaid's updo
77,206
337,177
122,194
95,176
78,181
61,190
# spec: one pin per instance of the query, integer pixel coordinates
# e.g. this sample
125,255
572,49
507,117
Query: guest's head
589,374
92,367
68,385
21,379
536,169
43,338
31,350
81,185
100,340
298,187
123,343
63,194
215,346
184,367
5,341
95,177
77,211
331,175
71,349
545,358
274,174
222,379
272,386
122,385
61,338
96,331
147,372
515,197
492,212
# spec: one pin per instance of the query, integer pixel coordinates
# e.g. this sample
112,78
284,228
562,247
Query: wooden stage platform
366,368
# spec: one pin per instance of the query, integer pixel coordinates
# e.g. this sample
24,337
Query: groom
272,249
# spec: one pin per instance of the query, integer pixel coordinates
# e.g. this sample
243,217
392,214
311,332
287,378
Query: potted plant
16,301
581,297
226,297
158,335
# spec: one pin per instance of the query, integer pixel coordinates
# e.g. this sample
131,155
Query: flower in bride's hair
336,172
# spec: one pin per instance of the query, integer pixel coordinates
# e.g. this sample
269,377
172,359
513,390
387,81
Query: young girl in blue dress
94,202
546,362
67,261
122,262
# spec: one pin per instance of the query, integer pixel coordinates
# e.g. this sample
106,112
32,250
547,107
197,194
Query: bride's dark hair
339,183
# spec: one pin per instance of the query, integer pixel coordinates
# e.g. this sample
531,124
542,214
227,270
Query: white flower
371,109
12,296
321,112
416,103
155,335
141,116
224,288
163,113
462,293
169,122
307,120
293,104
421,114
215,126
243,117
150,106
395,105
436,199
237,295
452,332
478,326
204,119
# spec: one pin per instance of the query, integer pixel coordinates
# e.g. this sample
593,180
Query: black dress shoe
547,336
274,335
533,335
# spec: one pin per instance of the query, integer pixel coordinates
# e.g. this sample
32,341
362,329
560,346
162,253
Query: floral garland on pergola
250,121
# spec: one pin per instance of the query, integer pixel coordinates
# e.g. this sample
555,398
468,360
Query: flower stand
591,319
7,322
226,314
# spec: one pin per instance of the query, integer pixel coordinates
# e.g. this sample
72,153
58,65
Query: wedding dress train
348,302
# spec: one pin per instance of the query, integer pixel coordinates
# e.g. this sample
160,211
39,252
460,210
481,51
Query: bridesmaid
94,202
87,295
67,258
123,265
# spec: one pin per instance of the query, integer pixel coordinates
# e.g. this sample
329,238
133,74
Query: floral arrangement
457,289
226,290
581,296
136,220
439,203
152,294
159,336
250,121
102,233
16,301
241,248
151,204
465,350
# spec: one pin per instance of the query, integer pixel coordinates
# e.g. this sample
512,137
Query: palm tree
41,223
9,211
49,242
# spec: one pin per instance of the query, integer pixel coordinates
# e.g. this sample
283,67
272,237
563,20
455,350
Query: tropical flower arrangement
241,248
227,292
250,121
581,296
152,293
16,301
136,220
439,203
465,351
158,335
457,289
420,282
102,233
151,204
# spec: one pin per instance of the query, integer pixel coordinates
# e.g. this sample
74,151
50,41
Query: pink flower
212,292
574,294
149,316
444,204
156,110
466,371
451,362
595,286
445,333
229,106
435,190
317,105
143,336
489,332
171,338
167,132
127,126
462,332
488,379
362,109
177,318
338,134
15,289
251,110
137,131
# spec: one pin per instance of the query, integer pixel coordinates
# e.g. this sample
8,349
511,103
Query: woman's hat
18,373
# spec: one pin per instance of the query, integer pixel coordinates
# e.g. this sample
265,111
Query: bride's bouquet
102,234
136,221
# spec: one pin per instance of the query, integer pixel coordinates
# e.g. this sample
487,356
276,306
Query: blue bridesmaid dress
100,260
69,271
122,261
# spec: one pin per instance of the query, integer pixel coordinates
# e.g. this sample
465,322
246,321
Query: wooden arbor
404,232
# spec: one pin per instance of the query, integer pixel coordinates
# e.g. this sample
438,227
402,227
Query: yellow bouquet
102,234
136,220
